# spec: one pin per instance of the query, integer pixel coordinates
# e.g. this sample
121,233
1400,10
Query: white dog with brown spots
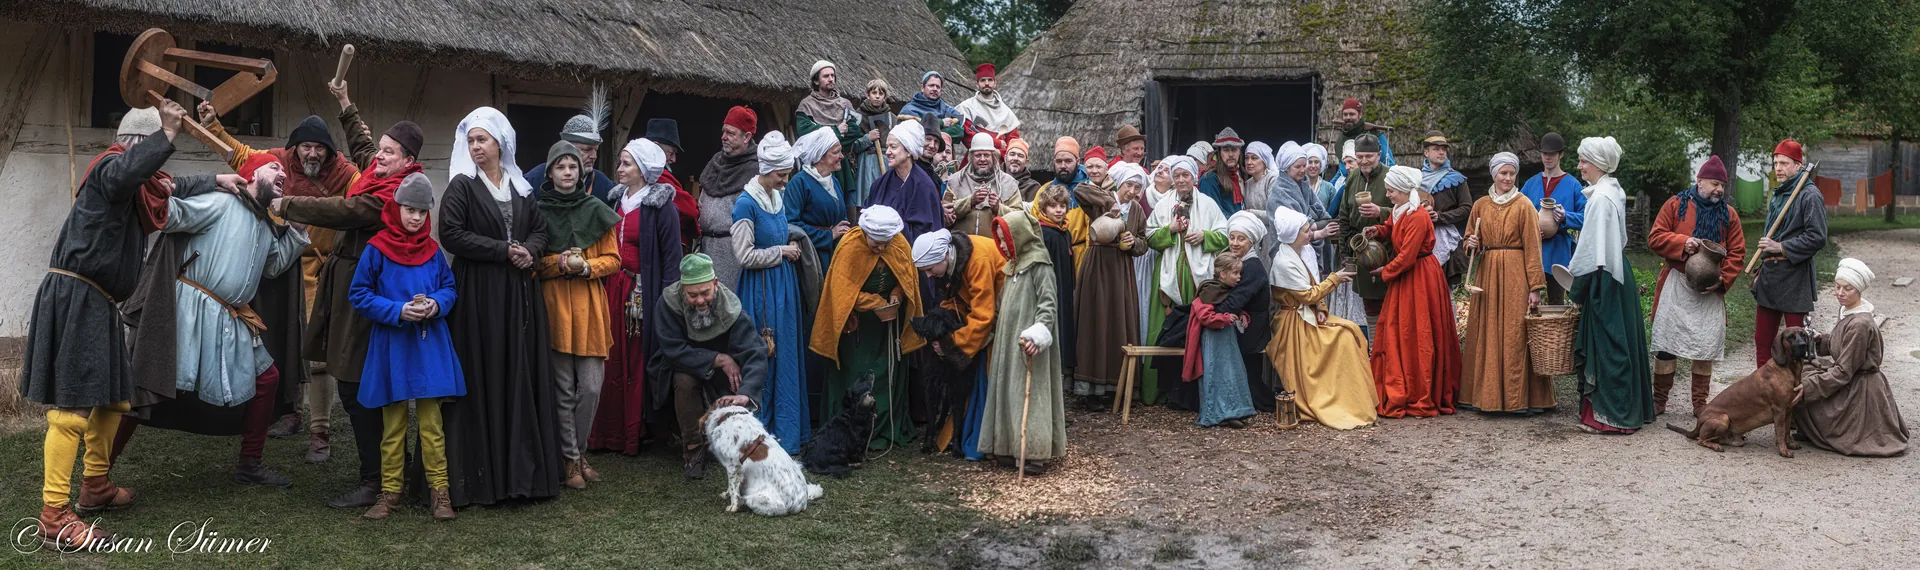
759,472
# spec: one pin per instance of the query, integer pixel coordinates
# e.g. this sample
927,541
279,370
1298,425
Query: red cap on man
253,164
984,70
1351,103
1713,169
742,118
1791,149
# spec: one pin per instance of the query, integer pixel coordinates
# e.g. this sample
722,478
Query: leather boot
383,506
252,472
442,508
61,530
362,495
574,479
1662,386
288,425
587,471
1701,384
99,494
696,463
318,447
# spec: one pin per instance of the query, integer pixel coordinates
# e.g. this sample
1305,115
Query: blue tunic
771,297
816,209
1559,249
405,362
1210,185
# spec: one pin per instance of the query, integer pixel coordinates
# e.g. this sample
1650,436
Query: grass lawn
644,515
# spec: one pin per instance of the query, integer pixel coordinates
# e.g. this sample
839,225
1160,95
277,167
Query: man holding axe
1796,229
314,169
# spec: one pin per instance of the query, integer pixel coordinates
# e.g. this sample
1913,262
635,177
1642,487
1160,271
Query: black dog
838,447
951,379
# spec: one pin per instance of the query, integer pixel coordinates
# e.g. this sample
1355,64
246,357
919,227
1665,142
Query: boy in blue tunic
404,285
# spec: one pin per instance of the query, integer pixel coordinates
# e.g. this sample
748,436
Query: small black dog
838,447
951,381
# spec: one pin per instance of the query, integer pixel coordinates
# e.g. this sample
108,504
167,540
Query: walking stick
1799,183
1026,403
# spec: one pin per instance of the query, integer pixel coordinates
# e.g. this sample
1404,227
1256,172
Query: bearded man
726,175
314,168
711,352
336,333
927,103
75,359
1227,149
824,107
986,113
222,380
1017,167
583,132
981,192
1691,322
1353,126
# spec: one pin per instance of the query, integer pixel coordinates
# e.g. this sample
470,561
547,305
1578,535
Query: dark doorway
1273,112
108,51
536,129
699,118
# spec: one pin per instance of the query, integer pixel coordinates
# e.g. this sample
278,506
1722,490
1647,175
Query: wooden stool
1123,397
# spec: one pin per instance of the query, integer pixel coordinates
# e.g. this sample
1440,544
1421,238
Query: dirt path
1469,491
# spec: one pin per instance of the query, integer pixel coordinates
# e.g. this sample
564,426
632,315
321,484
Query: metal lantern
1286,412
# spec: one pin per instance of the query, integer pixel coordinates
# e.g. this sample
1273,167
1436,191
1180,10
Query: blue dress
816,210
1558,250
405,361
771,297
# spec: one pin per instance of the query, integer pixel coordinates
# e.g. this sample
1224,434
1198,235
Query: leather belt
716,235
242,312
83,279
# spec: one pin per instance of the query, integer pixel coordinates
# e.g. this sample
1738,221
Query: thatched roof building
1274,69
757,50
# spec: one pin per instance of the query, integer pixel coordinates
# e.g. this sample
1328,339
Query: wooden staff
340,72
1799,183
1026,402
1474,258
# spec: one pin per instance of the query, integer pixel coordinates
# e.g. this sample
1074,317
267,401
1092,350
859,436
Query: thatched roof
758,50
1086,76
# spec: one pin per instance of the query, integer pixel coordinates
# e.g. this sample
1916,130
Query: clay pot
1370,254
1548,226
1703,267
1106,229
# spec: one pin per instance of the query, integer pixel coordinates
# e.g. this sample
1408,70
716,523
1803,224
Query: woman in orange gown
1416,353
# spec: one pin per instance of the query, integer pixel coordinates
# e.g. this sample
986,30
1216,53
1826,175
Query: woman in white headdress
492,228
1848,408
770,289
1416,362
1505,229
1616,379
1320,357
1104,306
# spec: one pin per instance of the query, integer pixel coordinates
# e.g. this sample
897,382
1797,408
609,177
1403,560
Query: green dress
1164,241
1610,353
867,349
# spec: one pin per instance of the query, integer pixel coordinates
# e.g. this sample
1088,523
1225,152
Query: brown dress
1106,306
1848,408
1495,375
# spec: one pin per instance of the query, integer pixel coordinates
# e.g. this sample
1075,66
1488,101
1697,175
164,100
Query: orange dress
1416,353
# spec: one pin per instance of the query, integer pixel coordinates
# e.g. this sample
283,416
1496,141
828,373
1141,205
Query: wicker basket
1550,335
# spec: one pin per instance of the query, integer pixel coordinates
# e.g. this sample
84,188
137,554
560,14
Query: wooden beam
543,100
626,110
24,85
220,61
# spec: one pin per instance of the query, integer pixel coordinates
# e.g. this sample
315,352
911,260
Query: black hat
1366,143
408,135
312,129
664,132
1553,142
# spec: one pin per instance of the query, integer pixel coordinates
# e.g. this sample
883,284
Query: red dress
619,424
1416,352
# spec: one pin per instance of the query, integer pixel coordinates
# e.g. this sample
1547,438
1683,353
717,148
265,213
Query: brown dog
1766,395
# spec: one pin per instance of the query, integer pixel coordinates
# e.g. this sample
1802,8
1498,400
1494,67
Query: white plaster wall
34,191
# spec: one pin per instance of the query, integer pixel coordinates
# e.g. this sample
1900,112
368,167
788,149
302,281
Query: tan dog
1766,395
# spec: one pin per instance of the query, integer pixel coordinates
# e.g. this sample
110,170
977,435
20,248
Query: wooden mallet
340,72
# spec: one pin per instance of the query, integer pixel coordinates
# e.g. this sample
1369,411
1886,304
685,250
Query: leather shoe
362,495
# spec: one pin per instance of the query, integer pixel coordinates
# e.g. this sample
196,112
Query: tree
994,31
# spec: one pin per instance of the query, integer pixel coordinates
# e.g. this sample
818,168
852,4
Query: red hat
1791,149
984,70
254,162
1351,103
1097,151
1713,169
742,118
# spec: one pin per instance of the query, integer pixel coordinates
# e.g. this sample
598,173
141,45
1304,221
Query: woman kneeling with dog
1848,408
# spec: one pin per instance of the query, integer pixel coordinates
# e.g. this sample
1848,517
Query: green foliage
1654,137
994,31
1499,57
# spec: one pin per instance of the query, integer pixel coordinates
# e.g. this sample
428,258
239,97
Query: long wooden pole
1026,403
1799,183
